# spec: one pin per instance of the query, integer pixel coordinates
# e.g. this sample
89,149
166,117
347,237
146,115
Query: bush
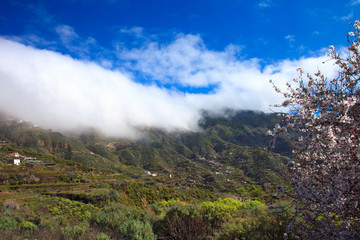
223,209
126,222
183,222
63,206
73,232
8,223
160,207
51,223
137,230
256,224
28,226
103,236
231,231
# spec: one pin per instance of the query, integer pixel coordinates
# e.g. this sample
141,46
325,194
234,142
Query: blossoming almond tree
326,175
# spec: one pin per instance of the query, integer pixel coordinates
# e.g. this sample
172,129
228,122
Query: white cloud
56,91
135,31
78,45
265,3
33,40
185,61
355,2
347,17
66,33
290,38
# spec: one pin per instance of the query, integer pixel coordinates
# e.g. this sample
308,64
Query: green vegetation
219,219
205,185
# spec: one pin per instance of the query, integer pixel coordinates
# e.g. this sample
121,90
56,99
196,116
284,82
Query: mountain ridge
230,150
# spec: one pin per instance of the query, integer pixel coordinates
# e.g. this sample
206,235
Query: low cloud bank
59,92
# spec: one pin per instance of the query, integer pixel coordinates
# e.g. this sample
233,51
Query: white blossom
326,176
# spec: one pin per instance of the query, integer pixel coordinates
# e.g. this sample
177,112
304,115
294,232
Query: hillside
66,187
228,153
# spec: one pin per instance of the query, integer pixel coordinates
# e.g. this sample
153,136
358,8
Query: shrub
220,210
136,230
256,224
223,209
126,222
231,231
28,226
103,236
77,209
51,222
161,207
73,232
8,223
183,222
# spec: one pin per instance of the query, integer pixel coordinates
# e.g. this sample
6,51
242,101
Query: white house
14,161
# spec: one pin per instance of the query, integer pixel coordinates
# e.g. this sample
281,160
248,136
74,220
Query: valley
228,159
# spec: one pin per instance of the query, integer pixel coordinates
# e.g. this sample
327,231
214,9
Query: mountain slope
230,152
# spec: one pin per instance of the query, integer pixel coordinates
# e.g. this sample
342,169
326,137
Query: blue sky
174,57
265,29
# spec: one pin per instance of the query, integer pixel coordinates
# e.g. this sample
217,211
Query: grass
17,196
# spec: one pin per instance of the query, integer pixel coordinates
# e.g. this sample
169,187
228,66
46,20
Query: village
15,158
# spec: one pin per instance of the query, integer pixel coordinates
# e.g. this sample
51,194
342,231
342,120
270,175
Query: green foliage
223,209
161,207
132,205
68,153
222,219
23,135
8,223
183,222
127,222
73,232
28,226
141,194
67,207
102,236
51,223
255,221
171,202
257,225
136,230
71,177
220,209
102,151
178,154
197,193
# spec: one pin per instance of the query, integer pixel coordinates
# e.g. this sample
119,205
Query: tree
68,153
326,174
